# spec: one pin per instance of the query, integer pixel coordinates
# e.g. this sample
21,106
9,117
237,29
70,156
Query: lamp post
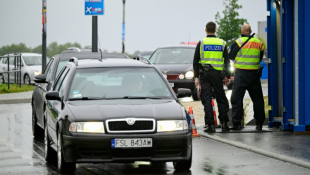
123,33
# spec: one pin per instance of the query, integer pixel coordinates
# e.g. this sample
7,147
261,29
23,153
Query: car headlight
232,69
92,127
35,72
189,74
171,125
181,76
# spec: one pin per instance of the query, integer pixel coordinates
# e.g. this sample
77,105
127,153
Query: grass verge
15,88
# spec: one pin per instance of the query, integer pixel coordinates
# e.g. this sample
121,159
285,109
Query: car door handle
14,69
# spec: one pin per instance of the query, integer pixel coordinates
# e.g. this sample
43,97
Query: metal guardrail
16,70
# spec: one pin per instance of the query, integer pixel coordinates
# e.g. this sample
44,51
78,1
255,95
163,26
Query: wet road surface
21,154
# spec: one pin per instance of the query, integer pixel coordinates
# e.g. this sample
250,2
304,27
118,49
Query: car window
119,83
34,60
60,78
11,60
61,64
173,56
63,85
49,69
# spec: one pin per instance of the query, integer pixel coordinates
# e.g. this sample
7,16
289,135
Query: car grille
121,125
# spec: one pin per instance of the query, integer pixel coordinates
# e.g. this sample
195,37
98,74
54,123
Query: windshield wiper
139,97
86,98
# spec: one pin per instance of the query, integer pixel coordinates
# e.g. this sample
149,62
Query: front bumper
188,84
90,148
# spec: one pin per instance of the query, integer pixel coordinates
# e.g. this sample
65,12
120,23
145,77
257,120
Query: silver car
31,66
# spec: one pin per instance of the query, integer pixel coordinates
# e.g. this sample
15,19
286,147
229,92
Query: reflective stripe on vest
248,56
211,52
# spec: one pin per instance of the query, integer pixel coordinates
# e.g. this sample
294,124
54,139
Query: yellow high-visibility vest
211,52
248,56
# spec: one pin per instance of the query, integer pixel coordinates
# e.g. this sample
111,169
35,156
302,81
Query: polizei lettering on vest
213,48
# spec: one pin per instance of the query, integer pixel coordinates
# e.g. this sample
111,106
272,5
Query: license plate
171,84
132,143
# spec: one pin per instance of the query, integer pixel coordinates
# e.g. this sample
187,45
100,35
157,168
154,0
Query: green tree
21,47
230,25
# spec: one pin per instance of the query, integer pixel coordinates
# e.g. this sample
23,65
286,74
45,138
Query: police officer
209,60
247,77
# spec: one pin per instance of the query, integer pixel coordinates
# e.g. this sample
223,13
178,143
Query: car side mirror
184,93
40,78
54,95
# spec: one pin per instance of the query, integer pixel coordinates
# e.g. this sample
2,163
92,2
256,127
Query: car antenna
100,49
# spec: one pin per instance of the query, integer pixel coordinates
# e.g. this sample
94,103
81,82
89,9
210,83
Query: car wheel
195,95
2,81
35,127
62,165
26,79
47,145
230,86
183,164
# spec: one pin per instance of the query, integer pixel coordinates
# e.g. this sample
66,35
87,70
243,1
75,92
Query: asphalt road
21,154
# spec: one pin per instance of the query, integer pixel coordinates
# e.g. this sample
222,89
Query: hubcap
59,151
27,79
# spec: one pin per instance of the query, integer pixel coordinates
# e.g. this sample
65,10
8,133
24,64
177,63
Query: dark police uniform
247,77
210,77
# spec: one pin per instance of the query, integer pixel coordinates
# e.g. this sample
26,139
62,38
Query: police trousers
208,80
247,80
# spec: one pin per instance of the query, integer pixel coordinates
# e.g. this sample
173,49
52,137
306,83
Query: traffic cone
194,129
214,114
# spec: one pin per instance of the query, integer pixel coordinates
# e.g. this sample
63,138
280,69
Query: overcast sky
149,23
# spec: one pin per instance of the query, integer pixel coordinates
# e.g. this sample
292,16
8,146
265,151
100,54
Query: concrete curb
15,101
258,151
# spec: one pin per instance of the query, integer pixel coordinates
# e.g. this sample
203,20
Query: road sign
94,7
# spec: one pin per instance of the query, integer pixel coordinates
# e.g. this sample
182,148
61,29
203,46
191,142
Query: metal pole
43,34
123,34
8,72
20,70
95,34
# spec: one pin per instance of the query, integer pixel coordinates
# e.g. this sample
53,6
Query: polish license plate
171,84
132,143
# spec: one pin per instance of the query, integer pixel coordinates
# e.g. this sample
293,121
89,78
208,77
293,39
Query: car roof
26,54
114,62
177,46
90,55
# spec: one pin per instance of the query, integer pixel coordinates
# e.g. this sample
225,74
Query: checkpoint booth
288,26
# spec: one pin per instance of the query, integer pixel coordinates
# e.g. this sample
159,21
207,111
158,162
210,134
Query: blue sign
213,48
94,7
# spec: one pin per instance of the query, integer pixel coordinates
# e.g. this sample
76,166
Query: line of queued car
104,107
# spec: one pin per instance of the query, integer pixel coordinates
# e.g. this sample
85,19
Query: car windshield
146,56
34,60
118,83
173,56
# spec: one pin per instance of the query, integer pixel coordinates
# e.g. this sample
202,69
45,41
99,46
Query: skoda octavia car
115,110
176,63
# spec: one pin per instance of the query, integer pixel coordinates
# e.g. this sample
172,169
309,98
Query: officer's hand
228,74
196,81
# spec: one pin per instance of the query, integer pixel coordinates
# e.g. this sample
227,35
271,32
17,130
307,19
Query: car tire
27,79
47,145
230,86
183,164
35,128
61,164
194,95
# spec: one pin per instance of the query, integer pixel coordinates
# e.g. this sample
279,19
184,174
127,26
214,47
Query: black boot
210,129
225,126
236,127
